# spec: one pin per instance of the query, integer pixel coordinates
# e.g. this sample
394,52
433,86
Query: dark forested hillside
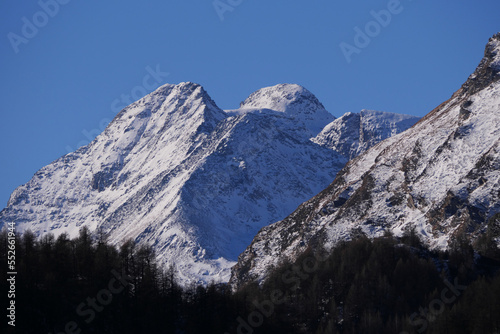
385,285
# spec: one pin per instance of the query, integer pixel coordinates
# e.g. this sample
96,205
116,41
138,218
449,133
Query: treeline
86,285
385,285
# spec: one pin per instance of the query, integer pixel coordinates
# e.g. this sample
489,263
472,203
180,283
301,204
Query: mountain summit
488,70
292,100
354,133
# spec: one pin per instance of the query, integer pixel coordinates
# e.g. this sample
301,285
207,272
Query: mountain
441,178
293,100
354,133
197,183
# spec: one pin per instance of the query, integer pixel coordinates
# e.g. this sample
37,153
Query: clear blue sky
60,86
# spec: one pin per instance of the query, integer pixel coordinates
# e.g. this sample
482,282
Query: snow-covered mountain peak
186,91
183,108
183,93
185,88
354,133
279,97
292,100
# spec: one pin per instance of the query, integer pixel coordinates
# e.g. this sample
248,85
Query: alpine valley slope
441,177
197,183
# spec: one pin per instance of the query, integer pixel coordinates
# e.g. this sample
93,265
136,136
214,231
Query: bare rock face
488,70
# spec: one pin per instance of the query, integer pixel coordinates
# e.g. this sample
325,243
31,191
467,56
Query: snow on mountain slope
441,177
175,171
353,133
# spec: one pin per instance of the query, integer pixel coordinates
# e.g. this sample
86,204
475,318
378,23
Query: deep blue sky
62,82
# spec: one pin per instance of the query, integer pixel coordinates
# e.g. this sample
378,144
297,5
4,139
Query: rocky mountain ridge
441,178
